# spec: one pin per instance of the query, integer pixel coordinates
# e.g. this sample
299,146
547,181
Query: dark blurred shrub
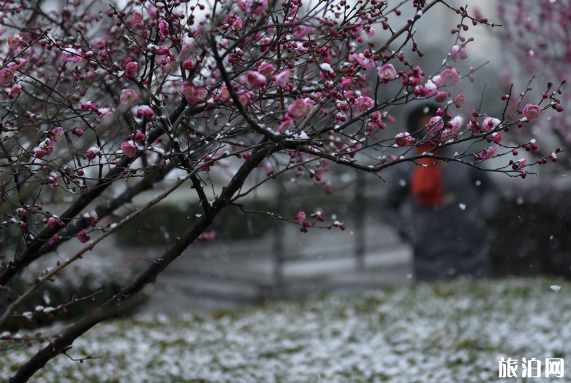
164,222
531,234
84,278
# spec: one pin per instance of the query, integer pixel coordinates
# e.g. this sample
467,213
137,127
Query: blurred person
449,202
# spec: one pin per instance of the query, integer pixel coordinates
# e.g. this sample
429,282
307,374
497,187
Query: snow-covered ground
442,332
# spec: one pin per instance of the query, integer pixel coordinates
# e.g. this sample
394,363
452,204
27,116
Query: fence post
278,243
360,208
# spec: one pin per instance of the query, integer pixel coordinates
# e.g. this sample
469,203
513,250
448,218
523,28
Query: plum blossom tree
156,88
537,40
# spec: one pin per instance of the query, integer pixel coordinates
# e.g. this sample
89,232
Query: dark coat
448,240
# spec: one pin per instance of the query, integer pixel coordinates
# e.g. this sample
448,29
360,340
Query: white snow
440,332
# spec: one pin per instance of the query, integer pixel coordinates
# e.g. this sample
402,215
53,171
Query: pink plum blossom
363,104
457,122
14,41
531,111
366,62
131,67
78,132
53,239
404,139
149,113
152,11
258,7
85,106
462,55
266,69
224,93
234,21
129,97
435,124
519,164
460,100
497,137
437,80
490,123
6,77
187,90
188,65
441,97
244,98
49,148
92,217
16,90
282,78
202,94
327,73
416,77
57,134
387,73
164,28
129,149
256,80
300,217
93,152
206,237
450,77
71,55
39,153
108,115
345,83
427,90
300,108
186,52
139,136
23,64
486,154
83,236
286,124
375,120
137,16
474,128
255,7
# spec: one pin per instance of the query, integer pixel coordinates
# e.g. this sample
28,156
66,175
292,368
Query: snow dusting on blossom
71,55
366,60
404,139
490,123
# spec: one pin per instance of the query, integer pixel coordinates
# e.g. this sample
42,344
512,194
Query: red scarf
427,183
